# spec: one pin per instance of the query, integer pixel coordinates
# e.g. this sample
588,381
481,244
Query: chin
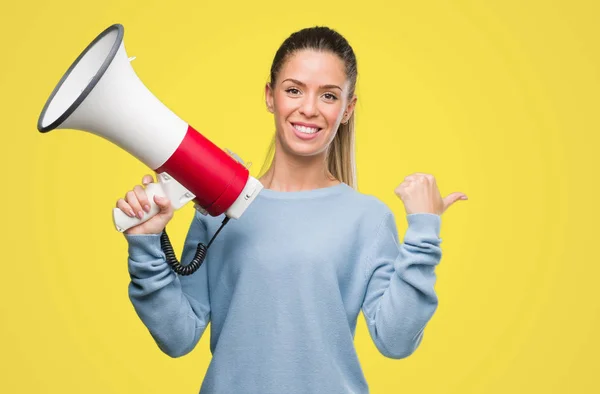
304,151
304,148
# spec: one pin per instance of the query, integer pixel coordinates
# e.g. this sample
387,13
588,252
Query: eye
330,96
293,91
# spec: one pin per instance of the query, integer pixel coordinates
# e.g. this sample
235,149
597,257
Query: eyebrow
320,87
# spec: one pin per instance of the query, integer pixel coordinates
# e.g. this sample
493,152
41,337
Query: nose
308,107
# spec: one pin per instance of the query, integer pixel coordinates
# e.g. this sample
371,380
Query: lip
304,136
311,125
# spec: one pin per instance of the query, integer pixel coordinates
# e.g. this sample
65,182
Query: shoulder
368,203
371,212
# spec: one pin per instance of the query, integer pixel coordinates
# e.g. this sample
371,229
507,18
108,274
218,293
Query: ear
269,98
349,109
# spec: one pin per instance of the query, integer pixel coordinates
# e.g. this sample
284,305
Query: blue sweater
283,286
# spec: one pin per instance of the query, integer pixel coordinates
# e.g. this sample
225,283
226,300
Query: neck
289,173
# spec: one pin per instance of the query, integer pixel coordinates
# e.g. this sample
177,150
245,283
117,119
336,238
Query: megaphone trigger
239,159
235,156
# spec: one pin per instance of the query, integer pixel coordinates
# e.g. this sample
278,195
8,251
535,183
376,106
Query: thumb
163,204
452,198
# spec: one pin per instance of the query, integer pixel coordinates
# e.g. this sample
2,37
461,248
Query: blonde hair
341,154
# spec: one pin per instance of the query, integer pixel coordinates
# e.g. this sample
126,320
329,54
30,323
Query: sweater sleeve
400,298
175,309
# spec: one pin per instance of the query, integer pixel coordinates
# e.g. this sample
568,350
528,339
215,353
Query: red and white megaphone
100,93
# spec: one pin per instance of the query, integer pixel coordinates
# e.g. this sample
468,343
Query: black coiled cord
198,259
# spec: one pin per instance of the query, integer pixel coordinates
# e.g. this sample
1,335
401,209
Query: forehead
314,67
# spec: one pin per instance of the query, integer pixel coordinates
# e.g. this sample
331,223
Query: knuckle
140,193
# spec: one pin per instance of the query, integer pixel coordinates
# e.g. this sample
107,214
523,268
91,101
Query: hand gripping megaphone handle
166,187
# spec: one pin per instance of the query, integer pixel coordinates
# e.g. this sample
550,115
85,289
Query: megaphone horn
100,93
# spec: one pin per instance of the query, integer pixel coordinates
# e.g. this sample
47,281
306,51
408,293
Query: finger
416,177
401,190
164,204
147,179
422,177
132,200
126,208
142,197
452,198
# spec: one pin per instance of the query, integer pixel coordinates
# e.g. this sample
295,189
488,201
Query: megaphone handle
124,222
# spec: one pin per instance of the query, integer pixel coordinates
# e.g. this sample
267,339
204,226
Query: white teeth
304,129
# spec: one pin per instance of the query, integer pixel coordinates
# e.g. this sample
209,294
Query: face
309,100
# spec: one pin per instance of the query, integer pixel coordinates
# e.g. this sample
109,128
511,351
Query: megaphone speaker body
102,94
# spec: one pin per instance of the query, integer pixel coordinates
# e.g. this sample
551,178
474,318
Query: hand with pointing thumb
420,194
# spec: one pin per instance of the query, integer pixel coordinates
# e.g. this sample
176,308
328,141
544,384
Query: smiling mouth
305,129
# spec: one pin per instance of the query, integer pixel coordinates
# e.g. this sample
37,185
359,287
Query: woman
283,285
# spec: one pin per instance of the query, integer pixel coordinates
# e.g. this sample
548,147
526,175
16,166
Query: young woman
283,285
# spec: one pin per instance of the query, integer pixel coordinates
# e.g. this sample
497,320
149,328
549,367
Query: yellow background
497,99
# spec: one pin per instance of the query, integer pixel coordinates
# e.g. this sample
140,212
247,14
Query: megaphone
100,93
